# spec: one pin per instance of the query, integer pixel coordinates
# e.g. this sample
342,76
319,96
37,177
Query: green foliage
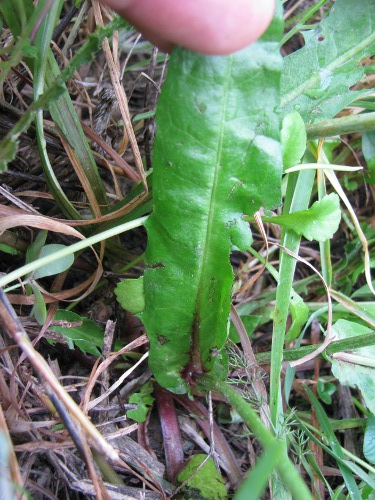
334,445
37,250
202,483
368,149
356,368
8,249
293,139
319,222
224,161
325,391
9,145
130,295
143,400
218,159
369,439
56,267
299,312
39,310
317,78
88,336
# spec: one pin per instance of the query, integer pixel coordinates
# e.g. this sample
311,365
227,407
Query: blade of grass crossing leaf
334,445
92,240
255,483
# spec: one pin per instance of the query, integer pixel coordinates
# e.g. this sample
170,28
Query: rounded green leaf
56,267
130,294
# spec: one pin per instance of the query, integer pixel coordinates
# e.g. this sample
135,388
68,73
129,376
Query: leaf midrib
211,219
349,54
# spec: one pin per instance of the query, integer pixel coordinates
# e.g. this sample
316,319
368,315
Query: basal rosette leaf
216,156
316,79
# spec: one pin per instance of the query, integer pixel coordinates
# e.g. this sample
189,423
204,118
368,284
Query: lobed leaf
319,222
88,336
216,156
143,400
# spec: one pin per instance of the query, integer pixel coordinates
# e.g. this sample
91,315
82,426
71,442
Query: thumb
206,26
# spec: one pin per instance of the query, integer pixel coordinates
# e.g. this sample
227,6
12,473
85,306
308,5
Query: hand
205,26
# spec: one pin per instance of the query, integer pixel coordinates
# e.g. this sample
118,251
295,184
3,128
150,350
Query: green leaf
216,156
130,295
8,249
293,139
255,483
39,310
205,483
335,446
355,368
143,400
317,79
33,251
300,313
88,337
9,145
369,439
56,267
368,150
319,222
325,390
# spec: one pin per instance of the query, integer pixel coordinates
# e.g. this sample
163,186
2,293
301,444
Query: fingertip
209,27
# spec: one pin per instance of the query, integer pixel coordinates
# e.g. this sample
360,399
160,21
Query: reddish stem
174,455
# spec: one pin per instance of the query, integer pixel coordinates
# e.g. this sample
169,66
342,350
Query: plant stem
363,122
298,196
288,473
